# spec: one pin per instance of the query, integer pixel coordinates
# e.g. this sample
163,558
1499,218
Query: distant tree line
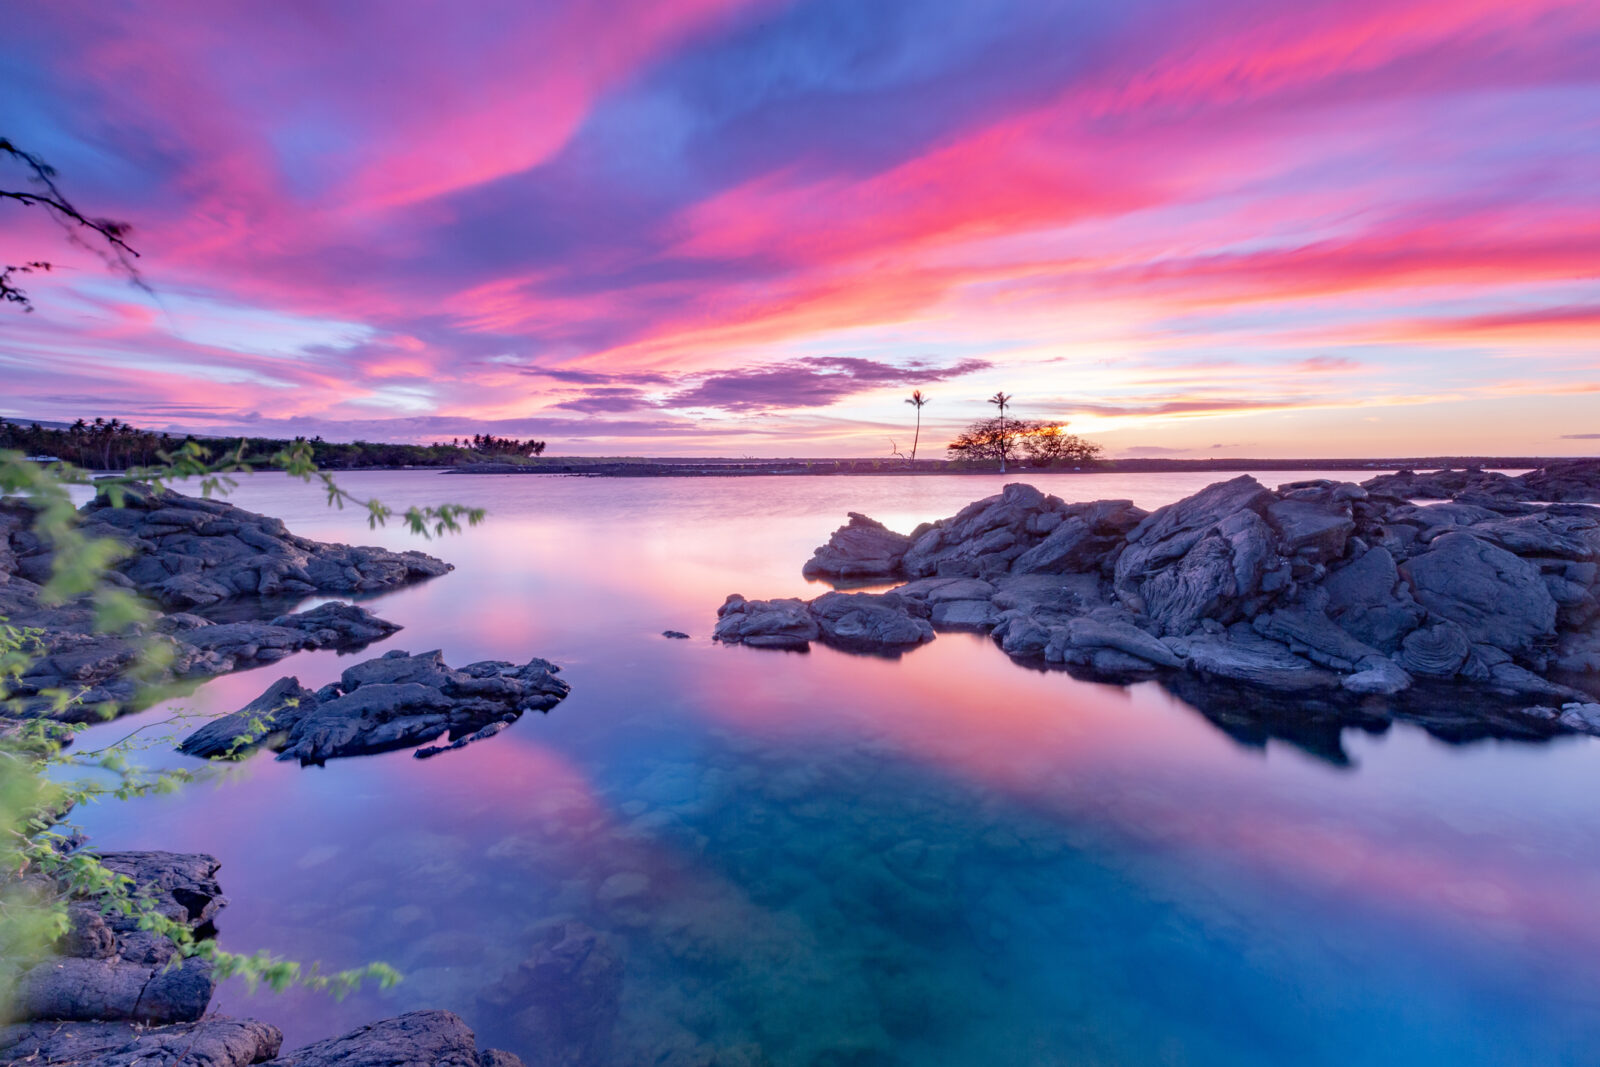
115,445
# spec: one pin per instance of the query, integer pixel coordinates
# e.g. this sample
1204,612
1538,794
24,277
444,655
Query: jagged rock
187,551
1495,597
1202,557
210,1042
956,603
861,549
395,701
1085,540
415,1039
784,623
984,537
872,621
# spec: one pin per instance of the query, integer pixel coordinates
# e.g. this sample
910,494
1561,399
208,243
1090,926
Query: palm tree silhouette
916,401
1000,400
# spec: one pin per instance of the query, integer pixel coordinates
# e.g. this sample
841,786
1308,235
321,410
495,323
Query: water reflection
722,855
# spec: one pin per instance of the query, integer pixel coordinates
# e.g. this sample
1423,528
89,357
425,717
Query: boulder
1573,481
1437,651
1106,631
1310,529
784,623
415,1039
1495,597
861,549
872,621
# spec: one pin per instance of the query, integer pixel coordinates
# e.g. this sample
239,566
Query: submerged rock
415,1039
395,701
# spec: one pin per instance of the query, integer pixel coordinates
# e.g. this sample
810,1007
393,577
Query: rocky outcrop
1354,591
183,552
860,550
862,622
188,551
118,671
108,969
395,701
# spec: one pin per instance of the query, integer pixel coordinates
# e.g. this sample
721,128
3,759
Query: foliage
998,438
112,244
918,401
42,779
114,445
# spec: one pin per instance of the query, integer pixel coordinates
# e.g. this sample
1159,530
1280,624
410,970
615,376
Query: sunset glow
751,227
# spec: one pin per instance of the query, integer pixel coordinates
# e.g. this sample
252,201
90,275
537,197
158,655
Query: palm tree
1000,400
916,401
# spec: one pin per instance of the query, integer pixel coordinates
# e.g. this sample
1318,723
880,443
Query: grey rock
1382,677
872,621
1366,598
1312,530
1437,651
1091,633
1495,597
783,623
1247,658
1313,635
861,549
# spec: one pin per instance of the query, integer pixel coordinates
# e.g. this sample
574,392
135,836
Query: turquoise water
828,859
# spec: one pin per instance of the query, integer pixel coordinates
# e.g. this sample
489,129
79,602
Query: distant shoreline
728,468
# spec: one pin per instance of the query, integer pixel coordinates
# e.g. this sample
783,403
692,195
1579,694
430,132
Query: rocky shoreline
1349,593
184,553
117,996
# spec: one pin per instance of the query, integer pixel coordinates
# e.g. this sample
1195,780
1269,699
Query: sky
1189,228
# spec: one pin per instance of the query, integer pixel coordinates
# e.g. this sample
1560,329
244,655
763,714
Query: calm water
829,859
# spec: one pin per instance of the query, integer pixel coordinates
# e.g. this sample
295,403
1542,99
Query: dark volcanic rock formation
1316,586
187,551
110,970
184,552
395,701
209,1042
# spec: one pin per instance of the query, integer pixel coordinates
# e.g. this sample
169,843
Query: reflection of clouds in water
942,859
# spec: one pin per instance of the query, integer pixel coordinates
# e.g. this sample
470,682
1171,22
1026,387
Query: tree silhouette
917,400
1000,400
111,246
